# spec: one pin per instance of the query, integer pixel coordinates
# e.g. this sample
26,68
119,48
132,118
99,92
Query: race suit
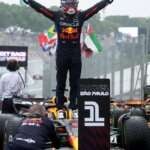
33,133
68,53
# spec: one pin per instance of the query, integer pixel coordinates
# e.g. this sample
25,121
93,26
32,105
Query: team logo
93,120
69,33
70,30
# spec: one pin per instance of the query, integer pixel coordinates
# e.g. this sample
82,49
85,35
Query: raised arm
94,9
41,9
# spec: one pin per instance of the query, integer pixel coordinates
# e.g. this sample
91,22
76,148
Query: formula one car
21,105
52,109
66,129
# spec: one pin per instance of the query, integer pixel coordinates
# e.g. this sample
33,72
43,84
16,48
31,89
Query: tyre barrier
134,132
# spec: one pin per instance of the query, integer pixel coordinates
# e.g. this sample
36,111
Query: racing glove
26,1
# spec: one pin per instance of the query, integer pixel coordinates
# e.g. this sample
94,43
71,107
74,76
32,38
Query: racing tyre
11,126
116,113
137,112
136,133
3,119
121,121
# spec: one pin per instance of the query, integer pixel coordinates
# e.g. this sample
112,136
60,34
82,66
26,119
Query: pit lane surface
117,148
65,148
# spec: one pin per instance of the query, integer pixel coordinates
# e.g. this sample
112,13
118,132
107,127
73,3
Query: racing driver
68,23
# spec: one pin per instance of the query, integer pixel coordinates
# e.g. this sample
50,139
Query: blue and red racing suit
33,133
68,53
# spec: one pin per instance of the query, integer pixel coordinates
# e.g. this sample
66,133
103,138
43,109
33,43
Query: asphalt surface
116,148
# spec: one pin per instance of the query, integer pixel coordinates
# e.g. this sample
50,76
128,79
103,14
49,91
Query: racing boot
75,114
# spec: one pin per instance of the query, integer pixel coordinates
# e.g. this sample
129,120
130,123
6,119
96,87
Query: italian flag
48,40
91,40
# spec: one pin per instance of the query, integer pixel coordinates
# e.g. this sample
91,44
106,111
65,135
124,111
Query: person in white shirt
11,84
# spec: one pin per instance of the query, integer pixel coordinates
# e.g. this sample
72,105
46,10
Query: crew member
11,84
34,131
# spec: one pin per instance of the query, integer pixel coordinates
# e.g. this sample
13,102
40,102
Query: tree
25,17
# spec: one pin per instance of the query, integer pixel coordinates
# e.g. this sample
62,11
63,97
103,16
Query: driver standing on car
68,23
34,131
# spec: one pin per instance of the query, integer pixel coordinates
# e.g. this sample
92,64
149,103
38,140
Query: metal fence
123,62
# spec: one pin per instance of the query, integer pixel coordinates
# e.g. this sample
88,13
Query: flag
48,40
91,40
43,39
51,31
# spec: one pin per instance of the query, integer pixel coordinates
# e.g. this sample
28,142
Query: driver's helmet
69,6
